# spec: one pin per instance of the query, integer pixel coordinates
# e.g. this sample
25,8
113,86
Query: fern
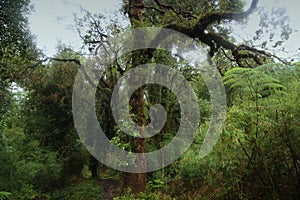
253,83
280,71
4,195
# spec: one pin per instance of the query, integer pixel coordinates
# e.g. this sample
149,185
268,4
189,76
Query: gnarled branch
215,17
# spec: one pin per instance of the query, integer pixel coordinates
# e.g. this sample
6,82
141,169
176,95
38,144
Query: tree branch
215,40
215,17
180,13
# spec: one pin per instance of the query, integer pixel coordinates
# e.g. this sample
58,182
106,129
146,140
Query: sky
52,22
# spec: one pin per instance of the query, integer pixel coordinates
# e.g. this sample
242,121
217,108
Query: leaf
4,195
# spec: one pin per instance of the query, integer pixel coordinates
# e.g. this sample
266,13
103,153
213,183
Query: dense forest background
257,155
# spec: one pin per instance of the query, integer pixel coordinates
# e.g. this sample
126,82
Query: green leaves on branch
252,83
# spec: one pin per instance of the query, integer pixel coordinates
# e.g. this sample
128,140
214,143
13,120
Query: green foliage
126,195
26,163
30,165
147,195
48,111
16,47
28,192
86,173
214,174
256,155
5,98
4,195
251,83
80,191
267,124
42,170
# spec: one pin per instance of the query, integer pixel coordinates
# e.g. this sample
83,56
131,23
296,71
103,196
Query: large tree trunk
137,181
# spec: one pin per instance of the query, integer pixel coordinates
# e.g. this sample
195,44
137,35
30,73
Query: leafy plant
80,191
251,83
147,195
4,195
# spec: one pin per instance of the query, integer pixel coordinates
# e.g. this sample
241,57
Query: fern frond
4,195
252,82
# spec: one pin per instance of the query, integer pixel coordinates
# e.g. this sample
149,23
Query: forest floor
92,188
111,188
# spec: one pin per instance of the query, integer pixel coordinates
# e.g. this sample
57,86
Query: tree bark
137,181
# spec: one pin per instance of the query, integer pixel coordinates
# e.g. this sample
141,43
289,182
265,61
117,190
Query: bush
26,166
28,192
85,189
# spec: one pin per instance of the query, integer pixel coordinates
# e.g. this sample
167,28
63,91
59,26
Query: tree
137,181
195,25
205,21
17,49
48,111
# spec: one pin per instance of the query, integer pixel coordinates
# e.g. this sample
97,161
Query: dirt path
112,188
